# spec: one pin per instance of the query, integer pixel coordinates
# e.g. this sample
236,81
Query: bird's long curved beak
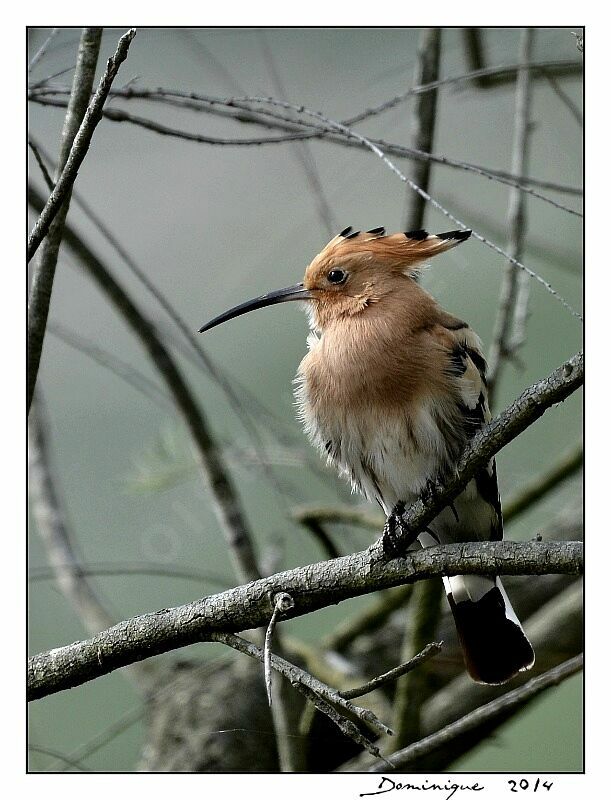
297,292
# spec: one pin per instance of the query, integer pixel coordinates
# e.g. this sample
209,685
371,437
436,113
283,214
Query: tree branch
44,270
516,698
392,675
318,585
80,145
423,121
296,130
52,527
313,587
527,495
531,404
226,501
511,318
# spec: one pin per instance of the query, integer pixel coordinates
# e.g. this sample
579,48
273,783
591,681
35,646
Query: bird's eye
337,276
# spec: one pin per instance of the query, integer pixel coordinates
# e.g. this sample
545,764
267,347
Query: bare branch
216,477
80,145
315,690
496,708
392,675
313,587
566,466
297,130
423,121
51,525
44,271
511,316
42,49
318,585
375,149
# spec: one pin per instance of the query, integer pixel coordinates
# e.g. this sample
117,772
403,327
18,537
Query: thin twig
299,677
216,477
559,91
413,688
117,366
342,515
508,70
482,715
45,172
282,602
44,270
290,754
301,149
69,762
523,499
375,149
319,585
42,49
297,130
240,407
80,145
509,329
108,568
392,675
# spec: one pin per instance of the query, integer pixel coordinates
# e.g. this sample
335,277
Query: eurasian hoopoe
390,392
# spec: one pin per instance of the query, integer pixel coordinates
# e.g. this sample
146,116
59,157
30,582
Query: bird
391,390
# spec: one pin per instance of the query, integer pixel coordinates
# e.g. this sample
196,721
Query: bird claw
429,494
397,538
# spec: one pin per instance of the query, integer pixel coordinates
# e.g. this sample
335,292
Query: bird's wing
466,368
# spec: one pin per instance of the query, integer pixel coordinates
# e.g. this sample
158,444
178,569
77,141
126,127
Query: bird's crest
402,250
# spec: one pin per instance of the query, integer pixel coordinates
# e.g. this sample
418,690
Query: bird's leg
429,494
397,537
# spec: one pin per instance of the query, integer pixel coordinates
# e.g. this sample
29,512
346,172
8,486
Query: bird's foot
397,538
430,493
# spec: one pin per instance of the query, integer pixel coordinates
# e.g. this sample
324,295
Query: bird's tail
494,645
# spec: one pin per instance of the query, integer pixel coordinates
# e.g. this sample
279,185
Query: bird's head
354,271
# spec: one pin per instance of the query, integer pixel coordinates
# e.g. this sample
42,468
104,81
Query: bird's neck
379,353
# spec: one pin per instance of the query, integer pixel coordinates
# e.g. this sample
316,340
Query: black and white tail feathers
493,642
494,645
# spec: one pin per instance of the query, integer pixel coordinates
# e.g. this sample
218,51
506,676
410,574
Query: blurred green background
215,225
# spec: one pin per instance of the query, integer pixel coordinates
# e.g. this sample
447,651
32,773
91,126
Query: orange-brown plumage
391,390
